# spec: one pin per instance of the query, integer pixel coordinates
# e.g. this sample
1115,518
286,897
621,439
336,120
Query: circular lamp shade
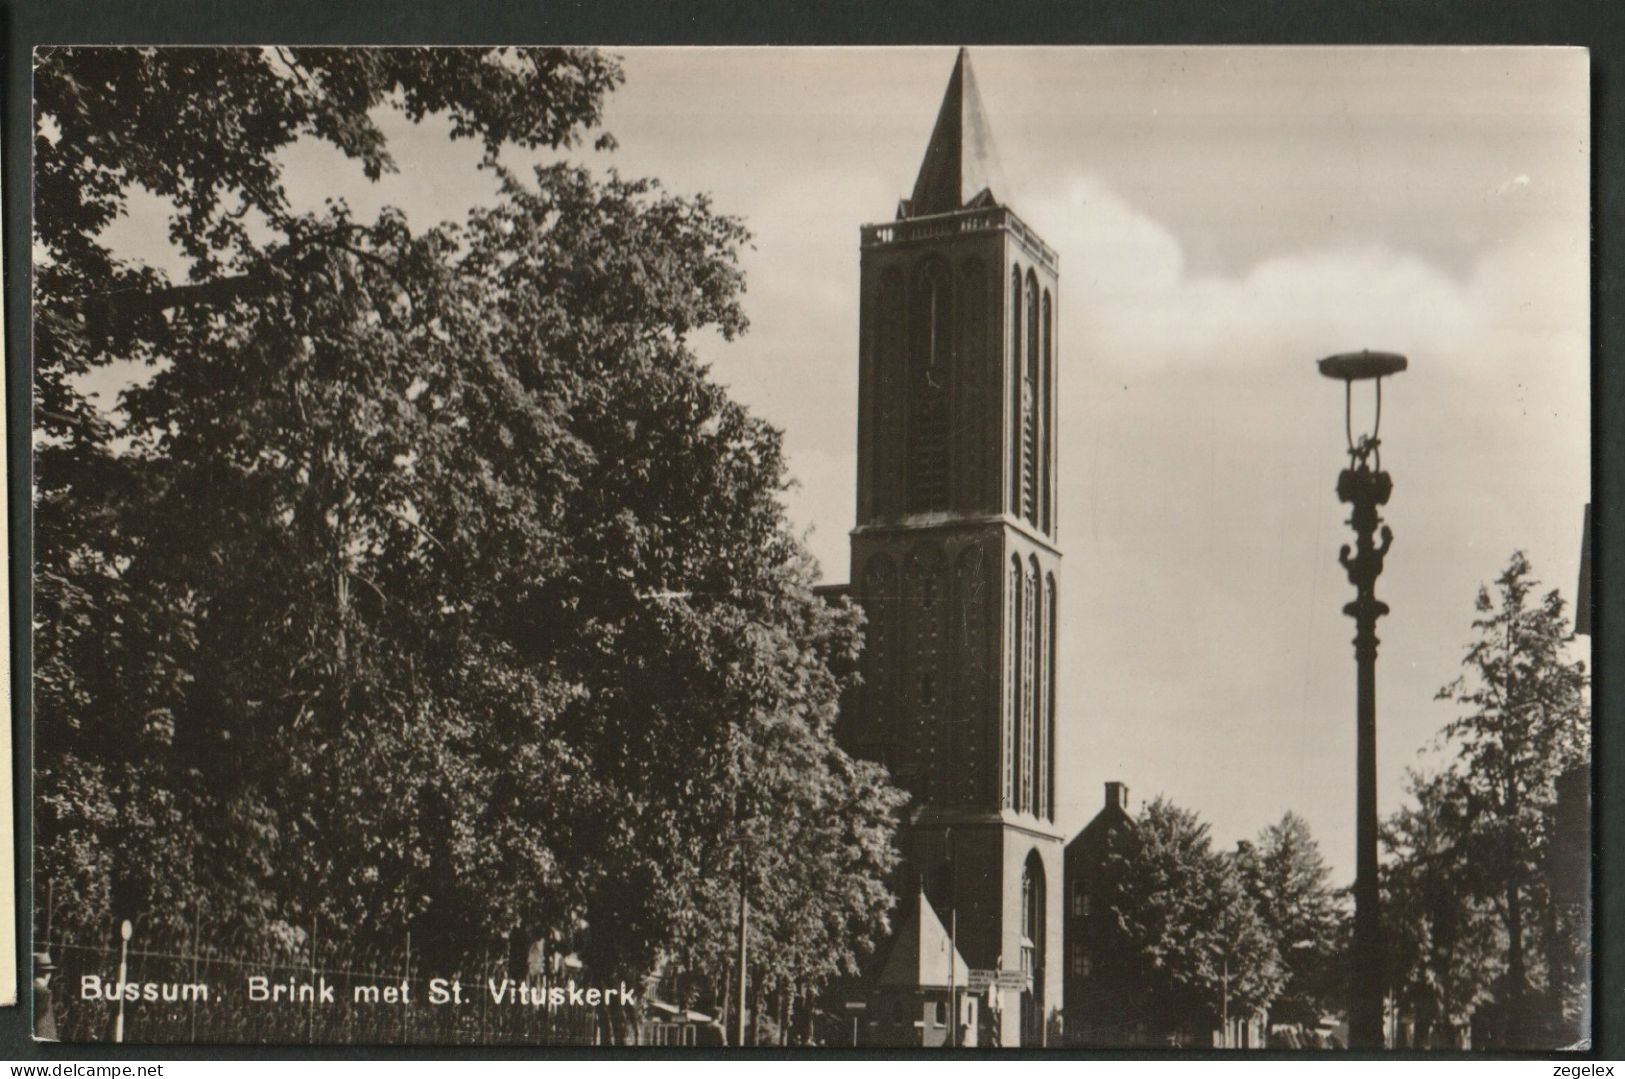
1350,366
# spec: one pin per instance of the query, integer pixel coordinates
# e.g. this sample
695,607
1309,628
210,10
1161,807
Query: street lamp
1365,486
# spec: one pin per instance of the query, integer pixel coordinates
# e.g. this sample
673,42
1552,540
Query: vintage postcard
916,547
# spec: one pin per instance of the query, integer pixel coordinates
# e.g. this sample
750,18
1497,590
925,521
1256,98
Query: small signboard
857,1005
1003,979
981,979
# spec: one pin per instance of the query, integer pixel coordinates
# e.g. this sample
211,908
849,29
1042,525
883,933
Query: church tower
954,557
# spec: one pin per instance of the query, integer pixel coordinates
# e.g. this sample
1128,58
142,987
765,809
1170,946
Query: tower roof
961,165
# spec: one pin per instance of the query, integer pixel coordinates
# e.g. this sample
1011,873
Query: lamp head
1349,368
1352,366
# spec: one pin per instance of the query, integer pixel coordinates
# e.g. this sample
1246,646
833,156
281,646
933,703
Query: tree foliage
1469,873
1288,882
426,582
203,128
1522,721
1443,945
813,861
1180,932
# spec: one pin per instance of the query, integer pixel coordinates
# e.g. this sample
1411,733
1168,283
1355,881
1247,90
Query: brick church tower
954,557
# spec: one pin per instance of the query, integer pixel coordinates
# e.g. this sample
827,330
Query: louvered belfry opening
931,371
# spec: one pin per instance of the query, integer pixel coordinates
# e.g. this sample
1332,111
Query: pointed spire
960,161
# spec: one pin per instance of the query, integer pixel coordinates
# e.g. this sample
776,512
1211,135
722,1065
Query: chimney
1117,795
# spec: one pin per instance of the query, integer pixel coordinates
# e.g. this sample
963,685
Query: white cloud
1199,455
1201,603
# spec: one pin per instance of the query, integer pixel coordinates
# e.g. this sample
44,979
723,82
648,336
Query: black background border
1596,24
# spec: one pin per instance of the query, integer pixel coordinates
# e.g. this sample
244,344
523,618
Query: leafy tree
202,128
428,583
1444,951
1286,878
1180,932
812,858
115,639
1522,720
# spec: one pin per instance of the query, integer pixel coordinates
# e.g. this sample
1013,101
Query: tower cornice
946,521
935,818
984,219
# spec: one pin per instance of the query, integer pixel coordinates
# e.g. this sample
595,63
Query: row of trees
1485,890
1186,933
421,579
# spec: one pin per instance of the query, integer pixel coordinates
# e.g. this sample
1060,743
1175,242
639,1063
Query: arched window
1046,416
1012,678
1032,877
926,618
931,328
1029,406
1029,709
889,395
1033,924
1016,407
971,430
1046,705
971,744
880,653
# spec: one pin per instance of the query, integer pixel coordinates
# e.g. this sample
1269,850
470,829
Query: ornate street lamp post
1365,486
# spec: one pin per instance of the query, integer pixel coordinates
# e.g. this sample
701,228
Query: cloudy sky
1223,217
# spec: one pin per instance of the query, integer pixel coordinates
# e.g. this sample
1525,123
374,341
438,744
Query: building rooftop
920,953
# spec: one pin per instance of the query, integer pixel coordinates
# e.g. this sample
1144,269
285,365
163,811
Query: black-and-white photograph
1080,548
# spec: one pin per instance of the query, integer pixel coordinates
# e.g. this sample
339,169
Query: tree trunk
600,1023
756,1013
1422,1033
1516,988
1557,967
727,998
743,957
